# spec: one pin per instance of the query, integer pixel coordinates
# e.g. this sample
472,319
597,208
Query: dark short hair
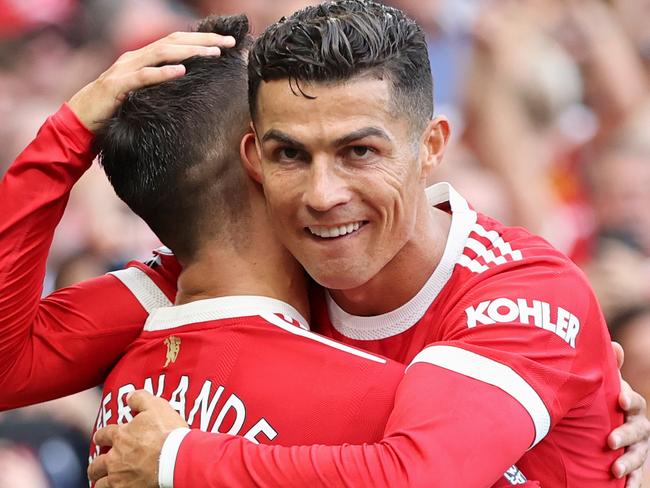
171,151
336,41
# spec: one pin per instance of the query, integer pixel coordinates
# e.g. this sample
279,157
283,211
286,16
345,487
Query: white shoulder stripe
486,255
143,288
493,373
275,320
471,264
497,241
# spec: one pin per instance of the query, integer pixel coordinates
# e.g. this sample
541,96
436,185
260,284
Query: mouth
335,231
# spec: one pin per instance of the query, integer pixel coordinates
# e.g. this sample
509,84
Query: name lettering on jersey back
531,312
212,410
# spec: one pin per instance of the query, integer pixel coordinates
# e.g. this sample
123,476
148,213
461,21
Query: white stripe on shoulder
143,288
275,320
497,241
493,373
485,255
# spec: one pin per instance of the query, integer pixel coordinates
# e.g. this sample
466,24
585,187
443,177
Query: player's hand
633,434
132,460
150,65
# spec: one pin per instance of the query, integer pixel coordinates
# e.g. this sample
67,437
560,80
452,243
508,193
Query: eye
359,153
289,153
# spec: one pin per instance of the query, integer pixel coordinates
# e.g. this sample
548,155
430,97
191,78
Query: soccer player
508,352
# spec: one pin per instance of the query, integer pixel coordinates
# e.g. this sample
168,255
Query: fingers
103,483
147,77
156,54
619,353
200,38
634,431
635,479
631,461
175,48
104,436
141,400
98,469
630,401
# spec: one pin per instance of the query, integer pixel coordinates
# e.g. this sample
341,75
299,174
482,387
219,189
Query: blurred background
550,106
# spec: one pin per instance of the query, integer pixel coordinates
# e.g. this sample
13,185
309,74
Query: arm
435,427
42,341
427,442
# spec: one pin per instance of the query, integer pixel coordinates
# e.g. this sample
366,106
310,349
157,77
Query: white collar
229,307
401,319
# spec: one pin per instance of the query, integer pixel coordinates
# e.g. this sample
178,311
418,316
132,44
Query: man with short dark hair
508,353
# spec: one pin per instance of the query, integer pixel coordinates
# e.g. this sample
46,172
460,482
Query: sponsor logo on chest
530,312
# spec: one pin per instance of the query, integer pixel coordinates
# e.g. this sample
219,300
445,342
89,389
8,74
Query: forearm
33,195
433,432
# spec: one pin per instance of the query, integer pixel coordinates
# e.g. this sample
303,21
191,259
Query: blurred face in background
620,195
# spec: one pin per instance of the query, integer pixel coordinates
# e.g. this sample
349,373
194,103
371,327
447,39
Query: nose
325,188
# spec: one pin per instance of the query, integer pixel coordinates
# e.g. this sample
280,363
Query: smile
327,232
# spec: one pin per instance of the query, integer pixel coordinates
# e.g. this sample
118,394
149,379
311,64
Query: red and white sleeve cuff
168,455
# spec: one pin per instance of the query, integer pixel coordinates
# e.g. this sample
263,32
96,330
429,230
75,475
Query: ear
250,155
435,139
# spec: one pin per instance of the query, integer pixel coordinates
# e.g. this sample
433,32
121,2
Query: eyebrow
360,134
278,135
283,137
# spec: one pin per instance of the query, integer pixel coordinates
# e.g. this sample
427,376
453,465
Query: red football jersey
248,365
505,308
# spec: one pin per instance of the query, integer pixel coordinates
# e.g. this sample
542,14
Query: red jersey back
505,308
247,366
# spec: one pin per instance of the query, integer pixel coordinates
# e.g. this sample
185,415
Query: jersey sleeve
64,343
536,332
427,442
516,353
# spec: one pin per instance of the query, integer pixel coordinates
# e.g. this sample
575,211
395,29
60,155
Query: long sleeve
64,343
446,430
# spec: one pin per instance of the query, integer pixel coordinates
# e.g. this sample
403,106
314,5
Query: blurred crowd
550,106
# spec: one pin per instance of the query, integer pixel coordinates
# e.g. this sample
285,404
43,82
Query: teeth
336,231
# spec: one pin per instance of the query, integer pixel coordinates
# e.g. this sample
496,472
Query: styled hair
171,151
339,40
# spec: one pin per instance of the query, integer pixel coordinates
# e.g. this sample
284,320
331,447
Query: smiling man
508,353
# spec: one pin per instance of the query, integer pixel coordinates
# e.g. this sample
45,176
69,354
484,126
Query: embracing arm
446,430
64,343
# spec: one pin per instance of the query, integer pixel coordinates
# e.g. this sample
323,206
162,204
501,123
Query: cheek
282,200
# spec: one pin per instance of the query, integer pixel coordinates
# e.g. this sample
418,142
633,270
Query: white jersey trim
493,373
488,256
170,317
275,320
143,288
168,455
401,319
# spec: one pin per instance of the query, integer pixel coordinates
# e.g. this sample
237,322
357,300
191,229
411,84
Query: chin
336,281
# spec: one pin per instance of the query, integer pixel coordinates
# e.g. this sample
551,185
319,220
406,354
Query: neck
260,266
405,275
